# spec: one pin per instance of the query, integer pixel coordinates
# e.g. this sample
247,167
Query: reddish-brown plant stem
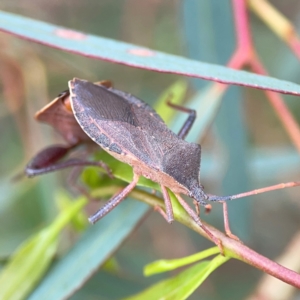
295,45
243,34
245,55
232,247
239,251
283,113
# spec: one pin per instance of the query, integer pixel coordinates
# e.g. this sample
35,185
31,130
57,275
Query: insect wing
56,115
119,121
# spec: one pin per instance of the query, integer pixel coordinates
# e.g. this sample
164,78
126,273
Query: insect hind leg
188,123
223,200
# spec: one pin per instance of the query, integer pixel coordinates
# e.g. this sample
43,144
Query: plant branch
269,287
245,55
289,123
232,248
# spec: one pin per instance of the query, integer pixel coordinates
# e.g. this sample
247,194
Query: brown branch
269,287
232,248
289,123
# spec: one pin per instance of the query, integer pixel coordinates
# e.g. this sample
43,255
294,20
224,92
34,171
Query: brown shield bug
132,132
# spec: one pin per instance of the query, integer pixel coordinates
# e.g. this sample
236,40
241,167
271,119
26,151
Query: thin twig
231,247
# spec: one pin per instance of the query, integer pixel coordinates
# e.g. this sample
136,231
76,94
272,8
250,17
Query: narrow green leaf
92,176
95,246
123,171
164,265
111,265
64,203
133,55
182,285
32,258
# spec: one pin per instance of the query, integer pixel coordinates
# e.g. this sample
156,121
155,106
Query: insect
132,132
59,115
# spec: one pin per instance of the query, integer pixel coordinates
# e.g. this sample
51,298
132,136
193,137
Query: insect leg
188,123
270,188
168,215
226,223
48,160
67,164
114,201
223,200
197,220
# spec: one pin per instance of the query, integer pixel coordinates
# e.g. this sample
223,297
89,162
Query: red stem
244,55
244,41
295,45
240,251
283,113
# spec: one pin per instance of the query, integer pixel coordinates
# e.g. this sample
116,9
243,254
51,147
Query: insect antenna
253,192
224,199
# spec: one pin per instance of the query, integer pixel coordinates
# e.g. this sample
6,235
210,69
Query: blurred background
245,148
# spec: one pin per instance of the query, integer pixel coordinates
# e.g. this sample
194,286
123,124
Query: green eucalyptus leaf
64,203
133,55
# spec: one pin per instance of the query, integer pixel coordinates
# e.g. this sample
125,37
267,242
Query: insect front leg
226,223
223,200
197,220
